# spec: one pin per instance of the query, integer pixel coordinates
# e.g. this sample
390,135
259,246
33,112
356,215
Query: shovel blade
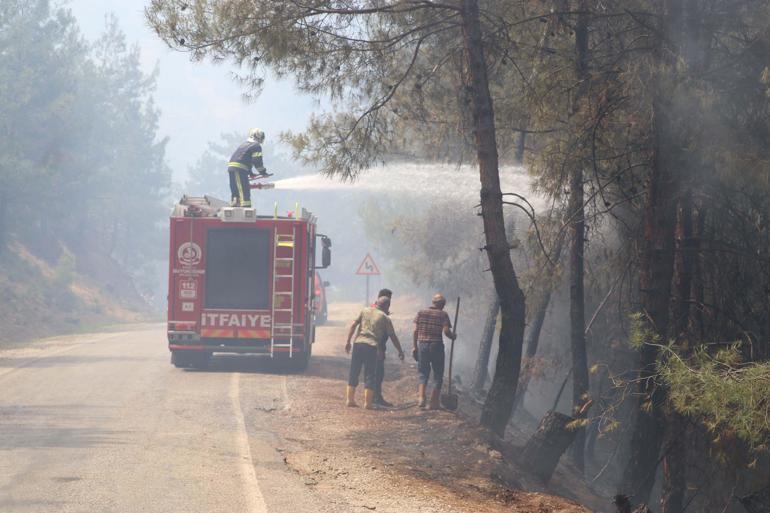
449,401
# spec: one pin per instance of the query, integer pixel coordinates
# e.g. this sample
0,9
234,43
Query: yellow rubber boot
421,396
434,400
368,398
350,397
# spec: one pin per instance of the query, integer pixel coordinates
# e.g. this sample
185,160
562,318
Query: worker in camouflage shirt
373,325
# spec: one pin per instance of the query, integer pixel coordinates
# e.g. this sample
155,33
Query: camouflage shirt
374,326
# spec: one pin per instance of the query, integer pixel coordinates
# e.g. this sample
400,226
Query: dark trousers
430,356
380,373
364,356
240,191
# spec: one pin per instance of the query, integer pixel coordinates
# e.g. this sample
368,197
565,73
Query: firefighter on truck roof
247,155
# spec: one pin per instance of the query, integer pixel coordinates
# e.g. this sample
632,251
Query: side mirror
326,257
326,283
326,252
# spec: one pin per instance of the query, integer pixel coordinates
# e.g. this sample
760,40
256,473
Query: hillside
42,298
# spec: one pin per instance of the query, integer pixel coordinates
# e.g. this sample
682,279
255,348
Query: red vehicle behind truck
241,283
320,308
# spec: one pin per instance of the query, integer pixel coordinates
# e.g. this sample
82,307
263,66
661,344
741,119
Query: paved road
103,423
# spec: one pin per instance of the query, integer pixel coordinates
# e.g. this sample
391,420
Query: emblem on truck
189,253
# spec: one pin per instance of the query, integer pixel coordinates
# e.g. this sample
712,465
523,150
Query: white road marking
252,492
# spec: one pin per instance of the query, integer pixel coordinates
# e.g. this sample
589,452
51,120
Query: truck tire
301,362
322,317
298,363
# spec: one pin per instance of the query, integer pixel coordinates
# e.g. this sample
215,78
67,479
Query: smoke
426,182
403,190
440,244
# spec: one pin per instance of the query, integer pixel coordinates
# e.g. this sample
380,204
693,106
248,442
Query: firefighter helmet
256,135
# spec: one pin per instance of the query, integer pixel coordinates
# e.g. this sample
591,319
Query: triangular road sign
368,267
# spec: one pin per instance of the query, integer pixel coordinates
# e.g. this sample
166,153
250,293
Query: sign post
368,268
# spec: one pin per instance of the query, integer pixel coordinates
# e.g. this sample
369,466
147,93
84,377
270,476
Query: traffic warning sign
368,267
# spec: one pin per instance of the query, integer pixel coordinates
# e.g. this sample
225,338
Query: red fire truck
241,283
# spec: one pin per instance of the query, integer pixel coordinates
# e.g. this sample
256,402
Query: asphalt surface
103,423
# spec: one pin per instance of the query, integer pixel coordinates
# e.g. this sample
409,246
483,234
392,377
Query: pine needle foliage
729,396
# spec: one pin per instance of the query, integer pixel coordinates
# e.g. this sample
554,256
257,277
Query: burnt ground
402,459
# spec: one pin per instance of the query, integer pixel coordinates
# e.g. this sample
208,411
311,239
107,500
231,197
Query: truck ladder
283,292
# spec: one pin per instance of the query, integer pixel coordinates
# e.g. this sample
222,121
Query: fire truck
241,283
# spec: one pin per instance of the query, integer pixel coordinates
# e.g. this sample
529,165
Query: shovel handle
452,346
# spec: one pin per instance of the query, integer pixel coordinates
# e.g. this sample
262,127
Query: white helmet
256,135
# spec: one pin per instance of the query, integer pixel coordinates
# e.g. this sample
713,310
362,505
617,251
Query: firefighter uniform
247,155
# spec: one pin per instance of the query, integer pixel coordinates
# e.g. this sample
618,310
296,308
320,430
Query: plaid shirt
430,324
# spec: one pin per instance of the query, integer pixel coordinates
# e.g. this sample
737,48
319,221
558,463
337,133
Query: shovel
449,399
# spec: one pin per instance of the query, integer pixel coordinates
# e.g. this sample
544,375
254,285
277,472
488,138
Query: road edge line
255,499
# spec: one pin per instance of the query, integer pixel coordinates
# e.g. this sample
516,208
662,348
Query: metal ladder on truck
282,332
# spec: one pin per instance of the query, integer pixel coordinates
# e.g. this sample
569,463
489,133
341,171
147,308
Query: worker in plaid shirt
430,325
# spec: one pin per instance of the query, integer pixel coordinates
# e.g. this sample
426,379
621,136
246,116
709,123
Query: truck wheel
301,361
298,363
323,316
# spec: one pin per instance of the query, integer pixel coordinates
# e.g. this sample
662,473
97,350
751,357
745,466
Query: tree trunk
485,346
757,502
592,430
623,505
696,326
684,268
674,463
655,272
545,447
675,455
521,141
533,340
576,211
656,263
533,336
499,402
577,312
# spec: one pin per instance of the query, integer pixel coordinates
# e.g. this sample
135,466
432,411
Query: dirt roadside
398,460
